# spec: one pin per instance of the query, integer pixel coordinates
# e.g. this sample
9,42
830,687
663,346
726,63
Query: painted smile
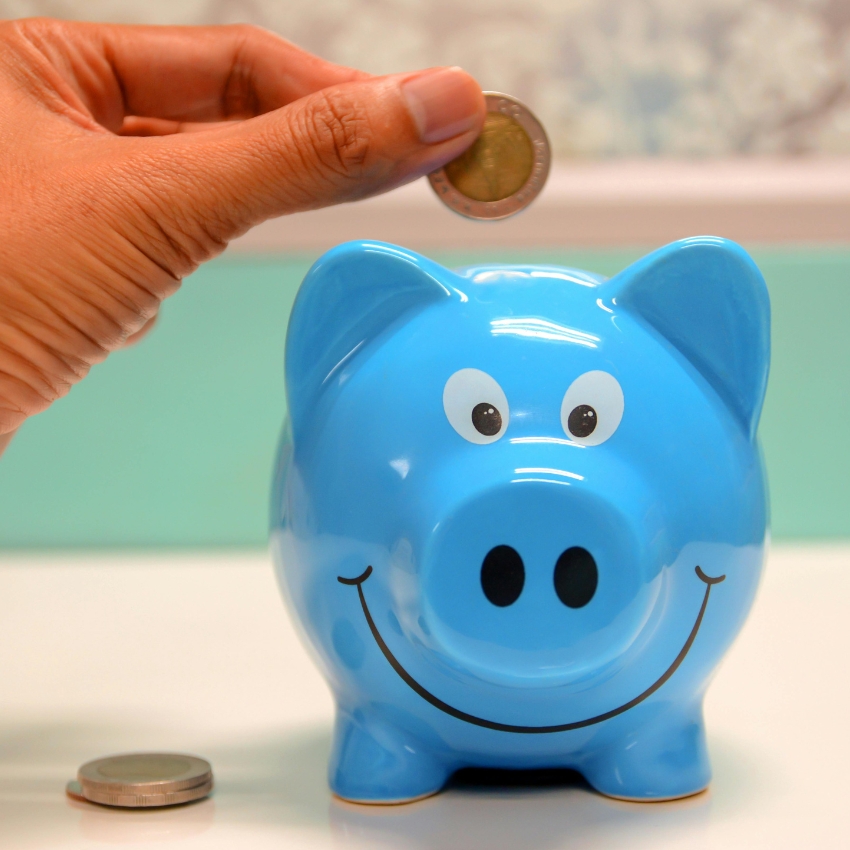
532,730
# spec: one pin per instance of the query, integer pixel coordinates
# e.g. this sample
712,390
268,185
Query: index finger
181,73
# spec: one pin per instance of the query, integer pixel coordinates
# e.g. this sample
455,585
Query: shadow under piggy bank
503,810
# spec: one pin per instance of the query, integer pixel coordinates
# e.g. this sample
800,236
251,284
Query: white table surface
103,654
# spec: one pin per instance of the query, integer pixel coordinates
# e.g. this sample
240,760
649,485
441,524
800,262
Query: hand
129,155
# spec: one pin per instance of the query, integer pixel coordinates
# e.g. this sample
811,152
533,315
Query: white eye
592,408
476,406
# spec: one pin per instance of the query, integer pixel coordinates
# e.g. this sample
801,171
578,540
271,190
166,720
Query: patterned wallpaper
607,77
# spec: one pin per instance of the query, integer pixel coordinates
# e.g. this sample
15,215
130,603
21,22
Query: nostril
576,577
502,575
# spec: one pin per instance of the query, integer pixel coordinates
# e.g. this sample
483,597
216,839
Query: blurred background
607,77
668,118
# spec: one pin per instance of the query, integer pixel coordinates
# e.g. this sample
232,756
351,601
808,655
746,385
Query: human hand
129,155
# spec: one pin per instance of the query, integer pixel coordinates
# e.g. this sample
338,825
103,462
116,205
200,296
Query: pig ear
709,300
353,294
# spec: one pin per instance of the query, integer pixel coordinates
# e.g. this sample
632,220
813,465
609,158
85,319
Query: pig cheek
349,648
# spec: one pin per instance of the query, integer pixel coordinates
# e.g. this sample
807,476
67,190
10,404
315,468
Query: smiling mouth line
528,730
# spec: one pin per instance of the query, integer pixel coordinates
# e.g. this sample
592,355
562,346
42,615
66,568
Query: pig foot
375,762
662,761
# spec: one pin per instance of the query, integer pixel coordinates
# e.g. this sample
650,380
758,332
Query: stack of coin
143,780
504,169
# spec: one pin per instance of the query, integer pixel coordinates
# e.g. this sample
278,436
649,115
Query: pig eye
476,406
592,408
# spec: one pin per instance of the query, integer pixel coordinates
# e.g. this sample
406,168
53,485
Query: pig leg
375,761
660,760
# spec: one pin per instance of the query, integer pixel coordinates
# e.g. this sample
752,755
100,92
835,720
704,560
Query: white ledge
634,202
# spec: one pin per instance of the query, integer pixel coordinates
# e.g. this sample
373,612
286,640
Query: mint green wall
170,443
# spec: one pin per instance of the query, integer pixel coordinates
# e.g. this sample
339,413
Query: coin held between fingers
505,168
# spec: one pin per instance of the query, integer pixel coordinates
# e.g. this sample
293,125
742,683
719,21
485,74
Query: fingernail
444,102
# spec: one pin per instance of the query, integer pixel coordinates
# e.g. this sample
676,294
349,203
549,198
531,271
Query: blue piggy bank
520,511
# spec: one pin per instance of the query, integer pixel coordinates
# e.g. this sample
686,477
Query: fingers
343,143
178,73
212,73
135,126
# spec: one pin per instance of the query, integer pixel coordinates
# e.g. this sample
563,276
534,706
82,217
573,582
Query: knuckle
247,32
253,40
240,96
338,127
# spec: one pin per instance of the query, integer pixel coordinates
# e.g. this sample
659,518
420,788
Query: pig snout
539,579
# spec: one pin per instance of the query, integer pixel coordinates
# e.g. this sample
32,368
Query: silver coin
144,779
505,168
138,801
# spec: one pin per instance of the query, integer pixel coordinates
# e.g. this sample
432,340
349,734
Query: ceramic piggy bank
520,511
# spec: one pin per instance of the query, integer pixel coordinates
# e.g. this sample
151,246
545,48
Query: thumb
340,144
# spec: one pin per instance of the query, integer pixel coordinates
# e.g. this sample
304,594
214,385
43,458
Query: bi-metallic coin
504,169
147,780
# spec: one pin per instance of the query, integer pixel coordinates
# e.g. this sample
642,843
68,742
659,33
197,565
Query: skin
130,155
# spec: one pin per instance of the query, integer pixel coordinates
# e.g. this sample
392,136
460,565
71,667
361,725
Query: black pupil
486,419
582,421
502,575
576,577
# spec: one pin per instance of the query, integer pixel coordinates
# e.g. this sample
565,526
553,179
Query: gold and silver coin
504,169
143,780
